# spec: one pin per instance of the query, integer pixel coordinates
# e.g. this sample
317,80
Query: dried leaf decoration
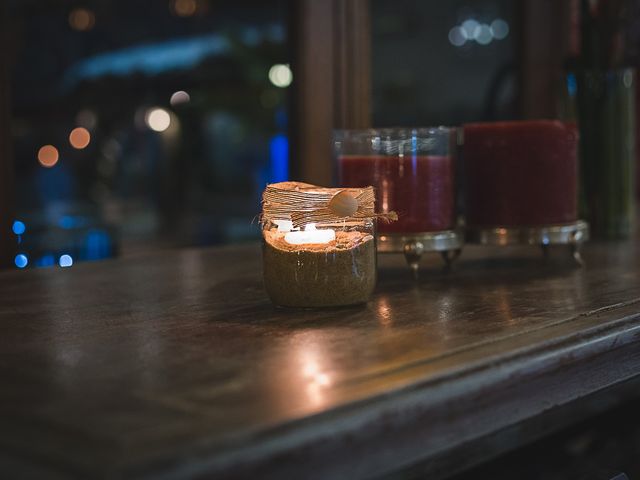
303,203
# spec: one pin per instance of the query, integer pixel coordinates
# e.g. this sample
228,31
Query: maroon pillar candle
419,188
520,173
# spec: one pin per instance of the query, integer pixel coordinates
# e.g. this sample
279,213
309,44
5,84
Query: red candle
520,173
419,188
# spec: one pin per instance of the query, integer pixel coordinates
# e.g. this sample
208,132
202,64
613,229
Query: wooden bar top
176,364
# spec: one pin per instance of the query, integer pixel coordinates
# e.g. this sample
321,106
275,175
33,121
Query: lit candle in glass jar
331,260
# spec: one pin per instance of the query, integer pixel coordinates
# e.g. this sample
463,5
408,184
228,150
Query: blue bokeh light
21,260
19,227
97,245
46,260
150,59
279,153
67,222
65,261
572,84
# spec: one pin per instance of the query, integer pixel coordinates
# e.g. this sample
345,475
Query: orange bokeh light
79,138
185,8
48,156
82,19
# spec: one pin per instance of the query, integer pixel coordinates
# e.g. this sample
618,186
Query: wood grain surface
175,364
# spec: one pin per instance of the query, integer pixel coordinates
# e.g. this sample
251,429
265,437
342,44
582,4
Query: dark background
104,65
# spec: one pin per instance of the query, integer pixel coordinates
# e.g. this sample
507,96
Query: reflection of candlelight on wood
504,305
316,379
313,373
384,312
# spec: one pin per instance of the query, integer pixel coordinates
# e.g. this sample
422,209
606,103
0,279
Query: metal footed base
571,234
447,242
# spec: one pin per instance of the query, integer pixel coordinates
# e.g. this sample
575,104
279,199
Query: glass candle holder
520,173
606,119
412,171
313,256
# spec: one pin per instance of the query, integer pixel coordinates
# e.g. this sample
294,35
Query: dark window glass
444,62
141,123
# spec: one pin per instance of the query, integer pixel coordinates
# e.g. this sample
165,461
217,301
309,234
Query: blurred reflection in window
140,124
444,62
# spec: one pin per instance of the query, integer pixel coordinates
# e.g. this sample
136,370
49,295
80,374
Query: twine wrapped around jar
303,203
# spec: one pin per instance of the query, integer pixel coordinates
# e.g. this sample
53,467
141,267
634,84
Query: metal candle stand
413,245
571,234
449,242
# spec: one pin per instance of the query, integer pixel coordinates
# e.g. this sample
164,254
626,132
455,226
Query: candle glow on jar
310,235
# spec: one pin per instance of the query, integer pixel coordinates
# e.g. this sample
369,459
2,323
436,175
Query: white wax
284,225
310,235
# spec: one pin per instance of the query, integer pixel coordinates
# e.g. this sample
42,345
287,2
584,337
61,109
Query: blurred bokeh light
79,138
160,121
82,19
48,156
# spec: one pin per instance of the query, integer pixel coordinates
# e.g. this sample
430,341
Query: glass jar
315,259
607,121
412,171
